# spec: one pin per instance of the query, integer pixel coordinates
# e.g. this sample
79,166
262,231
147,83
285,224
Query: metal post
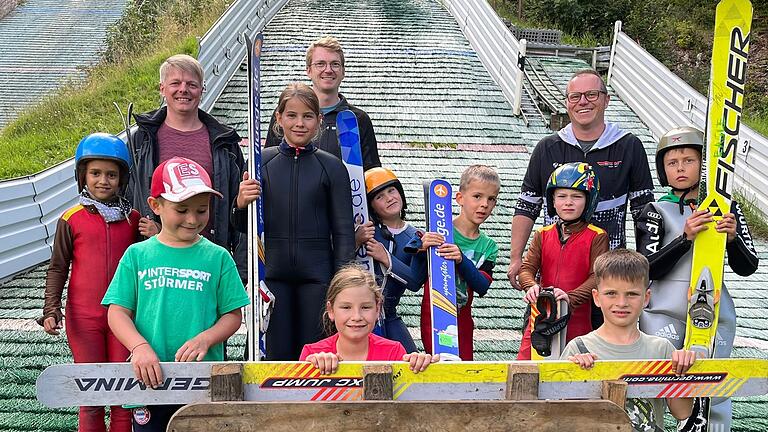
616,30
519,78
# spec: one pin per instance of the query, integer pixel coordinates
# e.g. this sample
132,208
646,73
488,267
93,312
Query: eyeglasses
591,95
321,65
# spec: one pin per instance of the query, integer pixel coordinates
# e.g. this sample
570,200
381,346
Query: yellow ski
726,99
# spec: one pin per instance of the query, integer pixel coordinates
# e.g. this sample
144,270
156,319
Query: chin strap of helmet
683,202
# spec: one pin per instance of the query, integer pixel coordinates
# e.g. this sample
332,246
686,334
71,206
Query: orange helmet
377,179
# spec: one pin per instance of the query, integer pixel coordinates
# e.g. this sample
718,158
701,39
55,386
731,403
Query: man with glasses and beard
325,67
617,156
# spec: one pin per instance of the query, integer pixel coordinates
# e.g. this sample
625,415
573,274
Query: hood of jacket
610,135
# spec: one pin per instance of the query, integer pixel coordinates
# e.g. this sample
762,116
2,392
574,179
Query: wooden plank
522,382
615,391
488,416
377,382
227,382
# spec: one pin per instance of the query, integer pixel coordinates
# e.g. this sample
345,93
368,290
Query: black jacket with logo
621,165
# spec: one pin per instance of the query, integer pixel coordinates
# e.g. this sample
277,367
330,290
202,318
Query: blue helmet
578,176
102,146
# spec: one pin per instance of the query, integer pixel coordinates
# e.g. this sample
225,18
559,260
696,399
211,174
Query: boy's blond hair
622,264
183,63
328,42
482,173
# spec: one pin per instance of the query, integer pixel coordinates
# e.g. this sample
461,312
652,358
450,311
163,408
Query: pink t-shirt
195,145
379,348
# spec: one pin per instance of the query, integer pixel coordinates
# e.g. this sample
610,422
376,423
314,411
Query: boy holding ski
562,256
176,296
665,233
473,252
90,238
621,294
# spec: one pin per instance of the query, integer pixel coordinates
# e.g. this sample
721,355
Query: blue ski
262,300
349,141
441,273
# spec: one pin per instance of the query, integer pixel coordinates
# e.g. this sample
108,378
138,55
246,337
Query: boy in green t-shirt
621,294
176,296
473,251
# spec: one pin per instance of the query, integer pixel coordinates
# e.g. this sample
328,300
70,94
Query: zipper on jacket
292,208
560,256
559,264
108,255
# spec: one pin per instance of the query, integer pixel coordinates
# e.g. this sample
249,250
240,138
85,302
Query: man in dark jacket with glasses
325,67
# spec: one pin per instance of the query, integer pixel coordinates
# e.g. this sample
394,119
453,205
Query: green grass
759,124
49,132
508,10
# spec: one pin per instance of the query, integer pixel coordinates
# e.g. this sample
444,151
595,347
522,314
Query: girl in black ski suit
308,226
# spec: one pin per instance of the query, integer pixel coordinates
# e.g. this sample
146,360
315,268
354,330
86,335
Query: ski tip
346,121
46,398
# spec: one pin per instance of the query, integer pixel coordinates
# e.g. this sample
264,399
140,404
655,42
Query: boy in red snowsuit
563,254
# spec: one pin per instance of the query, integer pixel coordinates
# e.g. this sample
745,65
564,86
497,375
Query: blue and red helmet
578,176
102,146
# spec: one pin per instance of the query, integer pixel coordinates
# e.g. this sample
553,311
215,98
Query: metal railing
536,36
567,51
548,92
222,48
495,45
662,101
31,206
29,209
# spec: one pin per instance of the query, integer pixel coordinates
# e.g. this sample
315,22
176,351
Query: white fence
29,209
495,45
662,101
222,48
30,206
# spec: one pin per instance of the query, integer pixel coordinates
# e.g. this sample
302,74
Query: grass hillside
149,32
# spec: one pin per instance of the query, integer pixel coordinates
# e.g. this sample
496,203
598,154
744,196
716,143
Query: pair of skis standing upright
438,197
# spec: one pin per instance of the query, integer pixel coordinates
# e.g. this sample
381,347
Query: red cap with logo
178,179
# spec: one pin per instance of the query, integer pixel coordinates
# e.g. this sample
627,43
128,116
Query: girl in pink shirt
352,309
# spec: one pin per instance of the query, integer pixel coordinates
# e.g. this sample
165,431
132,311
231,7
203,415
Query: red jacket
94,248
568,266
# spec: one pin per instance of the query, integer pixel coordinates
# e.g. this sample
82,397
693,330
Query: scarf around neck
112,211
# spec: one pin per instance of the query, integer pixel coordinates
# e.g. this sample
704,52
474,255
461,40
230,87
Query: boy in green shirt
175,296
473,252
